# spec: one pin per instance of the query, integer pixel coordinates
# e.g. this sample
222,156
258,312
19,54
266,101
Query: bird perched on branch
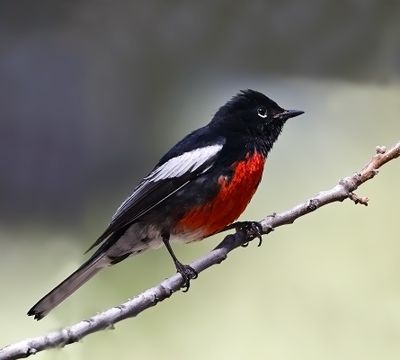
197,189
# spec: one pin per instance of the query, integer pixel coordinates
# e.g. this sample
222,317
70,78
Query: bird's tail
68,286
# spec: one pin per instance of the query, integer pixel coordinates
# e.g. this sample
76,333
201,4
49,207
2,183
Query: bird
197,189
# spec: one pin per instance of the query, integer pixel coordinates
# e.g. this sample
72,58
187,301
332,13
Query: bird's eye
262,112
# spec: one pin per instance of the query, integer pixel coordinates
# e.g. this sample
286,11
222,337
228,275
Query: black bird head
252,114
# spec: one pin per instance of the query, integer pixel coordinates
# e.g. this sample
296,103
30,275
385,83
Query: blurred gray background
92,93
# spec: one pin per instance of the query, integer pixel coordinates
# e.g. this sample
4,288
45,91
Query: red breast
233,197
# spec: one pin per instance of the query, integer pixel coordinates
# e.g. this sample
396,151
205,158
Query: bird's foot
187,273
252,229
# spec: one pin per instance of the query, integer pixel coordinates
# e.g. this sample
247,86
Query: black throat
244,140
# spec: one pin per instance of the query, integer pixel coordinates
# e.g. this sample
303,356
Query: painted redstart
198,188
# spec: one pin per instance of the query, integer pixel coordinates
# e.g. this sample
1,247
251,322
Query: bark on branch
343,190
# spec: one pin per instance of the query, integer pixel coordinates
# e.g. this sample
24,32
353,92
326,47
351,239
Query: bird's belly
137,238
231,200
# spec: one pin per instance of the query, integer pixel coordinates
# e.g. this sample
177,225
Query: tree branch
343,190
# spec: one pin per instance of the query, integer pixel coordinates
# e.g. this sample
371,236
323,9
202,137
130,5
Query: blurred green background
92,93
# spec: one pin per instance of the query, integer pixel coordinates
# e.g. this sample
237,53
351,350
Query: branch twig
345,189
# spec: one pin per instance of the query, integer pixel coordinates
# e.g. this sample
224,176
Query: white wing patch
175,167
188,161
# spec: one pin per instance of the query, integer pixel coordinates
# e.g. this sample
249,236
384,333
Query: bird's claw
187,273
252,229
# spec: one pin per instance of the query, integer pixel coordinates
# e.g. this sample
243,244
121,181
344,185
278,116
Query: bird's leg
186,271
252,229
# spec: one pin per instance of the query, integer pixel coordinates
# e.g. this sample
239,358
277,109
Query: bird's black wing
169,176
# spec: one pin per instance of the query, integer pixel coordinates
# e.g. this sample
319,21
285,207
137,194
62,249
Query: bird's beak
287,114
